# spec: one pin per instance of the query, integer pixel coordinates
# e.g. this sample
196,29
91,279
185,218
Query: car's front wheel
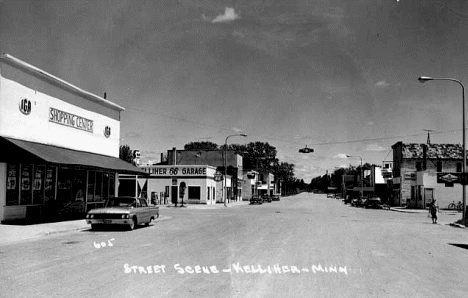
132,224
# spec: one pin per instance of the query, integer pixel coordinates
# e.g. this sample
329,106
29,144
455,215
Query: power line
218,127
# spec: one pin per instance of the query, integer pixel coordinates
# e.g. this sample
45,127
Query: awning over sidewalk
18,151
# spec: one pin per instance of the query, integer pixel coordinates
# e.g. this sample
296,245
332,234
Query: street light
225,167
424,79
362,177
306,150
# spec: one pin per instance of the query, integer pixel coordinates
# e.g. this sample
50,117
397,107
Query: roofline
17,62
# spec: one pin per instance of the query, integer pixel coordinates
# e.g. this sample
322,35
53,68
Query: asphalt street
303,246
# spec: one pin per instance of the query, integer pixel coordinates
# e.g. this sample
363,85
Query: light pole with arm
424,79
225,165
362,177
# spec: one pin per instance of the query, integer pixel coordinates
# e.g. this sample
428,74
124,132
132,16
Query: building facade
171,184
415,169
60,144
214,158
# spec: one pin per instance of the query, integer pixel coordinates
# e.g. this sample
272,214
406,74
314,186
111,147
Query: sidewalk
15,232
442,217
12,233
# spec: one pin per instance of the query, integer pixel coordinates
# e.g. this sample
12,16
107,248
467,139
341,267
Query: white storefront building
192,184
60,145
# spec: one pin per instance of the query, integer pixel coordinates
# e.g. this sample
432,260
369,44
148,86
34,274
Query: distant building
415,168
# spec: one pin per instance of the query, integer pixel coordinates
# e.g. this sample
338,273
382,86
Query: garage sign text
178,171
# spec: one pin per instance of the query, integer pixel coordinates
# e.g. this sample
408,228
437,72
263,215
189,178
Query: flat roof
41,73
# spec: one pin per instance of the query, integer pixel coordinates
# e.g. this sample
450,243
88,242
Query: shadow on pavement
464,246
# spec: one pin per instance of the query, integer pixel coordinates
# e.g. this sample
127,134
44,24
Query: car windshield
121,202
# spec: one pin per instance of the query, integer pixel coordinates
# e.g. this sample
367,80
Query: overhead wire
219,127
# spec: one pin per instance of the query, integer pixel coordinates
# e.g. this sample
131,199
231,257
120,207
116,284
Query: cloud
382,84
228,16
236,129
370,123
340,156
375,148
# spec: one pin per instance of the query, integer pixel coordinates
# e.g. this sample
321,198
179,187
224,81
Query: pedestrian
433,210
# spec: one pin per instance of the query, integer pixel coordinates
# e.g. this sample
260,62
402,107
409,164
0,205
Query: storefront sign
410,176
107,131
178,171
25,106
67,119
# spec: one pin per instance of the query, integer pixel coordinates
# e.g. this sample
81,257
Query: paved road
290,248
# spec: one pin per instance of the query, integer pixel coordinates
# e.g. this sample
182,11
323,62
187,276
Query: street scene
305,245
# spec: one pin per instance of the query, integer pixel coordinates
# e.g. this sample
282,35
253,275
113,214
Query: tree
256,155
126,154
204,145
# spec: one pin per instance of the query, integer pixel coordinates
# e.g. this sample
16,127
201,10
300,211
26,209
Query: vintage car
373,202
266,198
126,211
256,200
275,197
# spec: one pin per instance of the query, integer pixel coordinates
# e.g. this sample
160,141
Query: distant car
347,199
330,195
266,198
127,211
275,197
256,200
337,196
358,202
373,202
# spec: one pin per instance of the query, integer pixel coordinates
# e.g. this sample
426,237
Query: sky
339,76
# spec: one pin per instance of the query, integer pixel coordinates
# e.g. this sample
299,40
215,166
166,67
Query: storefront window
208,193
91,178
38,185
194,192
49,185
111,185
98,187
12,193
105,186
26,194
64,191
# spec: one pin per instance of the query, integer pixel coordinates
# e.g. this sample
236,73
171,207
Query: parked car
275,197
347,199
373,202
126,210
362,202
256,200
266,198
358,202
330,195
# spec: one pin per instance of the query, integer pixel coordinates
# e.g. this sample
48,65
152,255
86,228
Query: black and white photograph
233,148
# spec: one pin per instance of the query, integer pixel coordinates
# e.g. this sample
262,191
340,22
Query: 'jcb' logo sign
25,106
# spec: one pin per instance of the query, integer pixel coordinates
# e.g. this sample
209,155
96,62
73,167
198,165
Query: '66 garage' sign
178,171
